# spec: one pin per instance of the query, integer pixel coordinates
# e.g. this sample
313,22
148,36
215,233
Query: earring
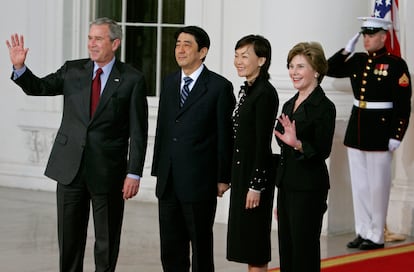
316,75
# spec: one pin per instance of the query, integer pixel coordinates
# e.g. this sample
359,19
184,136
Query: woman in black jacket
252,188
304,132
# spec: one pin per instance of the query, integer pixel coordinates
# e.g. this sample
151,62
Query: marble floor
28,241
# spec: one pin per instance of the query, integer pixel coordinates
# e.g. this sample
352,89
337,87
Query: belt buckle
362,104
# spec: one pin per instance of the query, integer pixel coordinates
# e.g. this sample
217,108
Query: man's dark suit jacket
193,144
118,129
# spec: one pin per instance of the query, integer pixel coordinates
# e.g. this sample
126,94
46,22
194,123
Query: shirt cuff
17,73
134,176
253,190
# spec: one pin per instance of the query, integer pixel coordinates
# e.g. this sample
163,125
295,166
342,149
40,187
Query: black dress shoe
356,242
368,244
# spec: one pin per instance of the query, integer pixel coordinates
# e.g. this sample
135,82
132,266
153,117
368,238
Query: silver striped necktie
185,91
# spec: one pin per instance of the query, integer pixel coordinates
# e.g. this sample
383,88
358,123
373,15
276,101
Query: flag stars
381,10
380,2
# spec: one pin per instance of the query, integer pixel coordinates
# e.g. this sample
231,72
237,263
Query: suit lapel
175,93
85,82
302,112
199,89
289,106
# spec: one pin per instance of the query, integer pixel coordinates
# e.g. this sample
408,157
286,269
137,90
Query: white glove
393,144
350,46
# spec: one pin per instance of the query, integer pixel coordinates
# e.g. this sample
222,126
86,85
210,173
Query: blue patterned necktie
185,91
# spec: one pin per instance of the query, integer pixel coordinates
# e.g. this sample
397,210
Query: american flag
388,9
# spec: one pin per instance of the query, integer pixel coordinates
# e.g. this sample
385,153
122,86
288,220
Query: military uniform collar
378,53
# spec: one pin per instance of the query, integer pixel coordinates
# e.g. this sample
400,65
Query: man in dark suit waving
192,154
100,147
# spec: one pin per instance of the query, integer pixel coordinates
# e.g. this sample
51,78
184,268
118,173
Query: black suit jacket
194,143
315,127
101,145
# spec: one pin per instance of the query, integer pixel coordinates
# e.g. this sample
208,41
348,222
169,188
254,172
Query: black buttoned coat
315,126
253,123
375,77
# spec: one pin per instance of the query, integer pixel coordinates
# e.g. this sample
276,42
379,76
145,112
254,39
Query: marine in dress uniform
379,118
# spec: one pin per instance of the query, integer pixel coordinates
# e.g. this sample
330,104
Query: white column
400,217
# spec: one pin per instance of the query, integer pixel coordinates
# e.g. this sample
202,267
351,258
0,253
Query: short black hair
262,49
200,35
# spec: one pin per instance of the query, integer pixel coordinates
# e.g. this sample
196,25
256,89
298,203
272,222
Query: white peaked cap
375,23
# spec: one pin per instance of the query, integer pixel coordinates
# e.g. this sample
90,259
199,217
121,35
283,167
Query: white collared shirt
194,76
106,71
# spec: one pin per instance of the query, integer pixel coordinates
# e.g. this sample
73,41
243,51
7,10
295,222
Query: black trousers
73,208
182,224
299,218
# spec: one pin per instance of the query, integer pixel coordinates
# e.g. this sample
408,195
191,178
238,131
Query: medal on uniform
385,70
381,69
